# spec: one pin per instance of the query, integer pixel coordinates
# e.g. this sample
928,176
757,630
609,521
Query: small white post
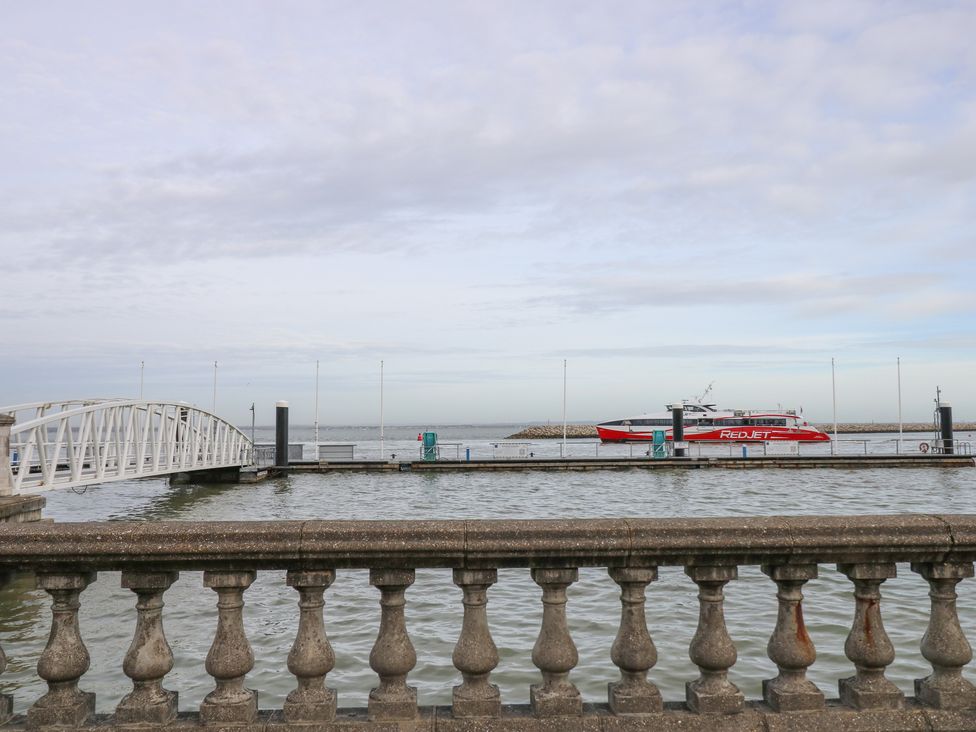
833,387
142,379
214,410
316,406
382,446
6,422
900,427
564,407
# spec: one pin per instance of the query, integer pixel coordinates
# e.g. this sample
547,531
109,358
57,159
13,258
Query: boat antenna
701,399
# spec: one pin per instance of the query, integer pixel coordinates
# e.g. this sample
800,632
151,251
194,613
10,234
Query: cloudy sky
665,194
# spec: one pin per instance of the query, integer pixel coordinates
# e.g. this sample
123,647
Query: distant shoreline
579,431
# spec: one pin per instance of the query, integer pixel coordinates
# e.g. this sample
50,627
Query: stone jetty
553,432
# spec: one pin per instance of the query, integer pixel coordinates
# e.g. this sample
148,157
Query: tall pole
316,402
142,377
564,407
252,425
214,410
382,447
900,430
833,387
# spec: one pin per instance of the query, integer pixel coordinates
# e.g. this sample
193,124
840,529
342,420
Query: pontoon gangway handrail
121,439
40,408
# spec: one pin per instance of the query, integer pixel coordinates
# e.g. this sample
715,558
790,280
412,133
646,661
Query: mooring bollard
281,434
678,428
945,424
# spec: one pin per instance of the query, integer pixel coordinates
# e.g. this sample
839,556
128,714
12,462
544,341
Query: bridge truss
82,442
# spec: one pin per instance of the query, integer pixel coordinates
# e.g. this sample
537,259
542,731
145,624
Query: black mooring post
945,422
281,434
678,428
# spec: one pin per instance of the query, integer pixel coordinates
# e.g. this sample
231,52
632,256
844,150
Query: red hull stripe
731,434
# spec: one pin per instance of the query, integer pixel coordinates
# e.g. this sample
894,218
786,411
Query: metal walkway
82,442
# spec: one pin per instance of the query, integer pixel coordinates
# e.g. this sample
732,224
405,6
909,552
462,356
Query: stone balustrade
66,558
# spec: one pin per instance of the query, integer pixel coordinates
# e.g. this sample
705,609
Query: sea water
434,610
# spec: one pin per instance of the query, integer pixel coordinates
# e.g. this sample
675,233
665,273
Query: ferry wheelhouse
706,423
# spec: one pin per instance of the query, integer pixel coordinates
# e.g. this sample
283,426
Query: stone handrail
67,557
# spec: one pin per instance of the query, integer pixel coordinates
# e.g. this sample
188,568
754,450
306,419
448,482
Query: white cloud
510,171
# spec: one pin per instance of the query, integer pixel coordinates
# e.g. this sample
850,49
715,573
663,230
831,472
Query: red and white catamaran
707,423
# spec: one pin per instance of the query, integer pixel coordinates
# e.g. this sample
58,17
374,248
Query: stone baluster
311,657
555,653
789,647
6,700
868,646
944,645
65,658
393,655
149,658
475,654
633,650
230,656
712,649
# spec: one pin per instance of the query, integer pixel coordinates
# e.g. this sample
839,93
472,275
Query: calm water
434,607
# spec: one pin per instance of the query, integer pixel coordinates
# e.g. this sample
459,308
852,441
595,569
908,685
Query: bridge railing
69,444
940,549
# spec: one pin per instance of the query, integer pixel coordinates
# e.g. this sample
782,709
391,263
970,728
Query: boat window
615,423
705,422
768,422
731,422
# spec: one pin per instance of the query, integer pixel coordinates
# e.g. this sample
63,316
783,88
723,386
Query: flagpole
833,387
316,401
214,410
142,377
382,447
564,407
900,427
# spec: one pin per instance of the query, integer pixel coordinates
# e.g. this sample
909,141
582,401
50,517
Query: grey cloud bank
470,190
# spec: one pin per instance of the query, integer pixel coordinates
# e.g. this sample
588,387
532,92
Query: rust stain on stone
801,628
870,603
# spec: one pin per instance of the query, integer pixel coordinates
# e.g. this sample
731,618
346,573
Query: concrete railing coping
490,543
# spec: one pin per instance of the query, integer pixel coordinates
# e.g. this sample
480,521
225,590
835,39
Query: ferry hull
724,434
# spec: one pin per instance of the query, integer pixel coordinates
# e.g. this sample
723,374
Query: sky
661,194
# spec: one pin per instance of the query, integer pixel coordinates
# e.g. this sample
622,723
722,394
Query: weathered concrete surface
21,509
257,545
755,717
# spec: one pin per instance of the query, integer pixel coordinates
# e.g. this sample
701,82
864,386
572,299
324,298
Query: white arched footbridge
87,441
